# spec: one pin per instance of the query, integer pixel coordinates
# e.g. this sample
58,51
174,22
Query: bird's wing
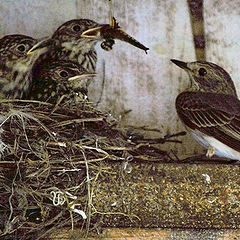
216,115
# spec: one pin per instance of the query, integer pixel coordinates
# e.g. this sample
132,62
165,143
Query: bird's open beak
41,44
82,76
181,64
97,31
94,33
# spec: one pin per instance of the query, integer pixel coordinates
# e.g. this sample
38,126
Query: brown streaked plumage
59,78
68,44
210,109
16,64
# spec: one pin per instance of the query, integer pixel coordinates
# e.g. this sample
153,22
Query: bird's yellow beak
82,77
94,33
181,64
41,44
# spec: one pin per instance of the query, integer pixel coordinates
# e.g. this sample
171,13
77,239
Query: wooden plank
162,234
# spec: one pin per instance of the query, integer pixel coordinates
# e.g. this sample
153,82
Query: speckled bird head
16,63
207,77
59,78
73,32
15,46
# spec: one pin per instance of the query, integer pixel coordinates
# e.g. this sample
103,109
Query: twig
7,226
68,122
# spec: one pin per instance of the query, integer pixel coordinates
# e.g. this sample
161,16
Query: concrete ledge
168,196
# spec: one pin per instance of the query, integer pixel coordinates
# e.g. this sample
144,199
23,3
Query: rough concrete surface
165,201
169,196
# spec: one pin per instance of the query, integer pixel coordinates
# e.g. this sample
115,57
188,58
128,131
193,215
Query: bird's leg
210,151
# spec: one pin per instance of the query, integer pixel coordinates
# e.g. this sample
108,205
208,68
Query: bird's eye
76,28
63,74
21,48
202,71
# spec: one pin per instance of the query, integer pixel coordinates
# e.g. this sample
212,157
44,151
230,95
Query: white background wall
146,84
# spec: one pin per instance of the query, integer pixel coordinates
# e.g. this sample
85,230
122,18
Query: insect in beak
112,31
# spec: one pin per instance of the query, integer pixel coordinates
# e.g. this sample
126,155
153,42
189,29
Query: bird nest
50,156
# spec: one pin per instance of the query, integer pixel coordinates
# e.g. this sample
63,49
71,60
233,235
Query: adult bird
60,78
210,108
16,64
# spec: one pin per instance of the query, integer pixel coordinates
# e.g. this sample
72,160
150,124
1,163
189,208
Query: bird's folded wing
216,115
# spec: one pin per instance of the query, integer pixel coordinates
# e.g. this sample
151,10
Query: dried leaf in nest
50,157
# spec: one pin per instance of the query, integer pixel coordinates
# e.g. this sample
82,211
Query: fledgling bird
210,108
16,64
68,43
59,78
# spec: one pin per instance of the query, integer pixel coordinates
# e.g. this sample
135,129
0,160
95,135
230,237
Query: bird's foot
210,151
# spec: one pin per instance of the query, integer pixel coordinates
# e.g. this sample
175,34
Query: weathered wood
197,23
163,234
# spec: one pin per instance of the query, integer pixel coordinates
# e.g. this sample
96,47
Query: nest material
50,156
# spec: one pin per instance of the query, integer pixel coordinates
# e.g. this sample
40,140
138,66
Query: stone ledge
168,196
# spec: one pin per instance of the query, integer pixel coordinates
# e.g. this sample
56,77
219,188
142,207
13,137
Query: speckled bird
69,43
210,108
16,64
59,78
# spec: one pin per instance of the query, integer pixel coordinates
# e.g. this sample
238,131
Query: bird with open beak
16,62
210,108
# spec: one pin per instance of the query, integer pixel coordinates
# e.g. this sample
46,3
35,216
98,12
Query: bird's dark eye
21,48
63,74
202,71
76,28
